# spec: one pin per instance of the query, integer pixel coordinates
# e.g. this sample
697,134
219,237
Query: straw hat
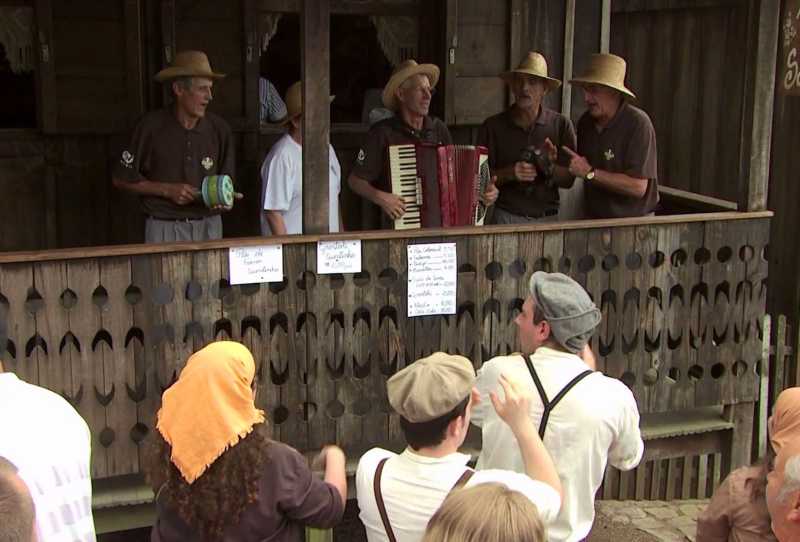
607,70
403,71
533,64
294,102
188,64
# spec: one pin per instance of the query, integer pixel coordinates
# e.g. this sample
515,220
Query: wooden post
316,114
48,111
569,45
451,49
605,27
763,101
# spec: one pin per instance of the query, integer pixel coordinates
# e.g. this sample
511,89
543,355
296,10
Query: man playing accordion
408,94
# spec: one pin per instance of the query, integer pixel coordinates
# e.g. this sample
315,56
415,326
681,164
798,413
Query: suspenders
550,405
376,486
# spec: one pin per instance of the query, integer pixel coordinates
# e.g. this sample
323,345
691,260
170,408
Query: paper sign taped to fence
432,279
250,265
338,257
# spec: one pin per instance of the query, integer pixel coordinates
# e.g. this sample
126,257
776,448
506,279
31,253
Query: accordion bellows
440,184
217,190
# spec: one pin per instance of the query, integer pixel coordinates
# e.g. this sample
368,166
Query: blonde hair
488,512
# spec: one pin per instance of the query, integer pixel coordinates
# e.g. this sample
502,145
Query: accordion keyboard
406,184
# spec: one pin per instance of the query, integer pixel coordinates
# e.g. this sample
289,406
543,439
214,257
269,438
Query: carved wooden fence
110,329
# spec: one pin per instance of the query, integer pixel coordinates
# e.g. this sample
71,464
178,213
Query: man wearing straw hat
408,94
172,150
282,176
616,145
512,136
585,419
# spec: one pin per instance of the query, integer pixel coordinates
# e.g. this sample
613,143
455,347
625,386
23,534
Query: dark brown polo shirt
627,145
289,498
162,150
506,140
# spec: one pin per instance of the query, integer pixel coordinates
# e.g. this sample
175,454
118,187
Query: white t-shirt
282,186
49,443
596,422
413,487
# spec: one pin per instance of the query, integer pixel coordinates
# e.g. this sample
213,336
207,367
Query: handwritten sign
432,279
789,82
249,265
338,257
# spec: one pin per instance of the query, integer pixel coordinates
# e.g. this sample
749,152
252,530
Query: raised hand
578,165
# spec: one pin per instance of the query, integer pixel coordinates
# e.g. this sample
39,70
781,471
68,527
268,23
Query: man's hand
392,205
550,149
578,165
490,193
180,193
514,410
525,172
236,196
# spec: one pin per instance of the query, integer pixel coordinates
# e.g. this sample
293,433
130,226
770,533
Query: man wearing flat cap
398,493
518,136
617,154
282,176
172,150
584,418
408,94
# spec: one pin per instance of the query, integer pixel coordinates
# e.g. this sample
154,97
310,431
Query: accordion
440,184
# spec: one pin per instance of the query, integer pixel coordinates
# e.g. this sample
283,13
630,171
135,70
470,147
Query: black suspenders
546,403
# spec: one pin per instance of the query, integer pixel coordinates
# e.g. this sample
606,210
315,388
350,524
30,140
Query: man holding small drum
174,150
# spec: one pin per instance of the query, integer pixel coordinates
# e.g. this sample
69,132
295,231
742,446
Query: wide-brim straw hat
533,64
188,64
404,70
294,102
606,70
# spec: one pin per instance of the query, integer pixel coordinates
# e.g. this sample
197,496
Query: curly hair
217,499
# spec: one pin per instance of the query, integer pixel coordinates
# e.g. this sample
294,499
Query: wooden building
108,323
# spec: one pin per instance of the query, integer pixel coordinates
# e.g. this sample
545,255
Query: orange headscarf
784,425
210,408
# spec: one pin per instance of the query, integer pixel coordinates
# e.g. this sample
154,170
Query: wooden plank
686,477
403,338
569,48
605,26
777,370
672,474
518,31
134,60
46,74
702,477
252,55
316,120
762,410
52,325
505,288
116,318
765,68
477,98
482,49
449,71
21,355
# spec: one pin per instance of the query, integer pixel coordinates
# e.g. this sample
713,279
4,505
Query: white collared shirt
413,487
595,423
49,443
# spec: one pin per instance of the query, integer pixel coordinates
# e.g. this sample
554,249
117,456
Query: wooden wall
784,189
690,64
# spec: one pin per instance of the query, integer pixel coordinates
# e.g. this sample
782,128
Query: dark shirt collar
615,119
426,133
541,118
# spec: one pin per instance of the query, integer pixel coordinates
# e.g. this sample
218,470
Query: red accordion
440,184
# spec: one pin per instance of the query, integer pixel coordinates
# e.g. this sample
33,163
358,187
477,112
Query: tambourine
217,190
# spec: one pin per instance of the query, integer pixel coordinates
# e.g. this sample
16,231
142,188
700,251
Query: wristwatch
590,175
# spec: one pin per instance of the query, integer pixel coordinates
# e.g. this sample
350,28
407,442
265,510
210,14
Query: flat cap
431,387
568,309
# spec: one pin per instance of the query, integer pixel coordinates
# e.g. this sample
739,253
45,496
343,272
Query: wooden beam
569,47
315,31
451,50
48,110
252,56
409,8
605,27
134,60
763,98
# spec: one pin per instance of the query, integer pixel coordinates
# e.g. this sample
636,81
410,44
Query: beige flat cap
431,387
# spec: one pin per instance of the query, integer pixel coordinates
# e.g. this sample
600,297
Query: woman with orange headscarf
217,474
738,510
